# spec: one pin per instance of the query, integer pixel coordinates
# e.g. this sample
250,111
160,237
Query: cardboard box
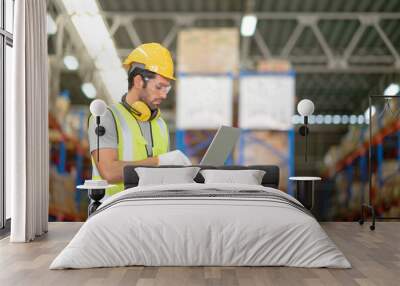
274,65
257,154
208,50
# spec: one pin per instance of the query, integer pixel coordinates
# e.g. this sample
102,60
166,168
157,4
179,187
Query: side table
305,190
96,191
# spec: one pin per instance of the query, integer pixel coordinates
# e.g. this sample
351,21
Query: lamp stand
100,131
304,132
95,195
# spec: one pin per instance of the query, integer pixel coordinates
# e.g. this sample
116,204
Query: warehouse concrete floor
374,255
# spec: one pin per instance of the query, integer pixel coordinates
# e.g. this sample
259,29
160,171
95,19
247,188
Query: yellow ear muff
146,114
143,109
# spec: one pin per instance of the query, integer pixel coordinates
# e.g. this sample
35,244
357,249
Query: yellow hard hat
154,57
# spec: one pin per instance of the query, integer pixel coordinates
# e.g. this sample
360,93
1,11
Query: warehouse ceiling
341,50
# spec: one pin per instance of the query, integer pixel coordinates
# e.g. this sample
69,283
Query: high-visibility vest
131,143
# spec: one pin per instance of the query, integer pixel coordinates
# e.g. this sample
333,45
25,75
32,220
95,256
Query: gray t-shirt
110,138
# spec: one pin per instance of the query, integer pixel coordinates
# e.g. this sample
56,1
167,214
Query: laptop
221,146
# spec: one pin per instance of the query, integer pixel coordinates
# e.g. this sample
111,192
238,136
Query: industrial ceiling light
89,90
392,89
85,16
336,119
353,119
311,119
319,119
71,63
373,110
248,25
366,113
328,119
51,25
345,119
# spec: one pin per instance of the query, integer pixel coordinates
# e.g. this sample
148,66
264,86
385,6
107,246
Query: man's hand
174,158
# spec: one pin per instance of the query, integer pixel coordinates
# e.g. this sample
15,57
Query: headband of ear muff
140,110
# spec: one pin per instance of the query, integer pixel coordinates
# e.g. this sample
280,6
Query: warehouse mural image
210,70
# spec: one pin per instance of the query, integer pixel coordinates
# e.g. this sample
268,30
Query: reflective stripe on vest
131,143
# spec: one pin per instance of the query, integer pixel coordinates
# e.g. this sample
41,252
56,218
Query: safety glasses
157,86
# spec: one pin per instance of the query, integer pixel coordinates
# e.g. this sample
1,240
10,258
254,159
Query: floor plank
374,255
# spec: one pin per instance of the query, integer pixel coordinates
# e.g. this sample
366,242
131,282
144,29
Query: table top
86,187
305,178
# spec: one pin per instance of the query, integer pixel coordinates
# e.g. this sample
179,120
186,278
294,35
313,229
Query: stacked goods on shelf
330,160
70,162
355,199
347,195
393,107
62,198
387,200
340,197
349,143
391,191
271,147
356,143
212,50
347,163
388,167
62,106
351,140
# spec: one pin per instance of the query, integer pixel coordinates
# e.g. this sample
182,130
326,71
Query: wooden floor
375,257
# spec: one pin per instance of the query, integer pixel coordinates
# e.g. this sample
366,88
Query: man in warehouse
135,132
